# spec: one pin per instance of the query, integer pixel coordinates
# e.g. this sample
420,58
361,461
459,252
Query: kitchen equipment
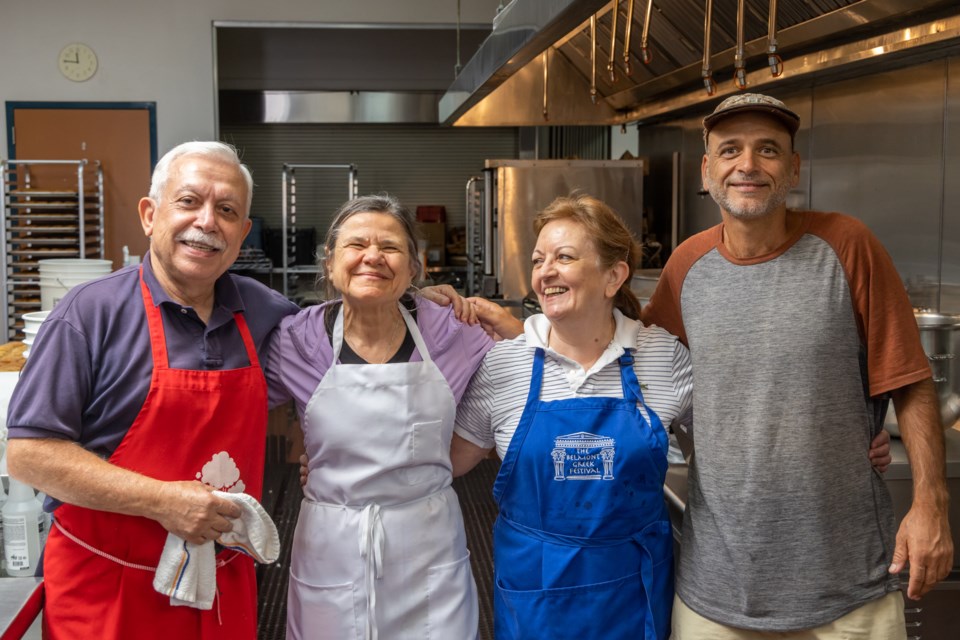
500,215
50,209
814,40
940,337
706,72
296,253
643,283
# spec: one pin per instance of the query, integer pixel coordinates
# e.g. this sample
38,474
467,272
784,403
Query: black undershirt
348,356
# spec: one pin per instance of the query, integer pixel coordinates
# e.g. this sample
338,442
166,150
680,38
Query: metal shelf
475,241
41,221
289,215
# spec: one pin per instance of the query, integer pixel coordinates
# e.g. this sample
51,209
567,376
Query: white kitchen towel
187,572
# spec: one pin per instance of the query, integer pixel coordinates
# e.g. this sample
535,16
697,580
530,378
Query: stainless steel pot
940,337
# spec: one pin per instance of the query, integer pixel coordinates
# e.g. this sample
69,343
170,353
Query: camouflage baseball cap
745,102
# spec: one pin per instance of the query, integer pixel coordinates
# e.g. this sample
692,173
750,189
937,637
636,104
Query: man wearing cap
799,329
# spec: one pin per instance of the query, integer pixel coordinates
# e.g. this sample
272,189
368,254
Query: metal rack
289,215
475,244
51,209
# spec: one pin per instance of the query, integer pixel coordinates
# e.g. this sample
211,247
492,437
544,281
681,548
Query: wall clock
77,62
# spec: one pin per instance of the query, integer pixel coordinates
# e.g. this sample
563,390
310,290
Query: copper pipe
626,38
645,53
739,60
593,58
611,68
546,60
705,72
774,61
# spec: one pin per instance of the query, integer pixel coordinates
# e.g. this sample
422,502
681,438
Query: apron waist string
372,540
570,541
360,507
130,565
102,554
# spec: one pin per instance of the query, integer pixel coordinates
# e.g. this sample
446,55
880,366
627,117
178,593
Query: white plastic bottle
23,525
47,519
3,501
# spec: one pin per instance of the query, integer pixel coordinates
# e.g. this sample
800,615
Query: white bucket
57,276
32,321
31,326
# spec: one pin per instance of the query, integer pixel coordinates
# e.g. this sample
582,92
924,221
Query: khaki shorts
881,619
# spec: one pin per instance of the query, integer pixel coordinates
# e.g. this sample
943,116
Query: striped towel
187,572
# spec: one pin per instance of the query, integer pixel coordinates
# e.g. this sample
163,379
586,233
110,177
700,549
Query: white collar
536,330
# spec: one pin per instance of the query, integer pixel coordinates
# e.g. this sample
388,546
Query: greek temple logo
583,456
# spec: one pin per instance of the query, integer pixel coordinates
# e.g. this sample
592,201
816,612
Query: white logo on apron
583,456
222,474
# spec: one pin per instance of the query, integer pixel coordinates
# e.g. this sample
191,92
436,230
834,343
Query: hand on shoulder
445,295
496,320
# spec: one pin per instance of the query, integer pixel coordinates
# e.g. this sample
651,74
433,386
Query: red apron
203,425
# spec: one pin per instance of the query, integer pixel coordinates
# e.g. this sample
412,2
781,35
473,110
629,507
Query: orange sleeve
885,320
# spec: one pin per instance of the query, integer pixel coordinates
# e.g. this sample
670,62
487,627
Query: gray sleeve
50,397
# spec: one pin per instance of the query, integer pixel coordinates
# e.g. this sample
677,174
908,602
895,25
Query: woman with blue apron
583,545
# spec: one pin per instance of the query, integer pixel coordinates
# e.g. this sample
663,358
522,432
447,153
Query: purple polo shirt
90,367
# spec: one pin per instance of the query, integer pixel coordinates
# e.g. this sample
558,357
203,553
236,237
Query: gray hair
381,203
207,149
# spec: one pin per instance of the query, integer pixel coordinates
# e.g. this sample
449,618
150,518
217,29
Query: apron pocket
609,610
322,612
452,608
425,452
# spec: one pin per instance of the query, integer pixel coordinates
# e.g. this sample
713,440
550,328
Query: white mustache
199,237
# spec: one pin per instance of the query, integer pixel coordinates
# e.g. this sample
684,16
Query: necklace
393,338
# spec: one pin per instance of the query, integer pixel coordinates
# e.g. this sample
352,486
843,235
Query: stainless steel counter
900,468
20,602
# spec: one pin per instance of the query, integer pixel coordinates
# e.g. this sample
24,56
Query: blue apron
583,545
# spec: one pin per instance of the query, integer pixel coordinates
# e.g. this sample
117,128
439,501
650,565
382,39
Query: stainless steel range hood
542,66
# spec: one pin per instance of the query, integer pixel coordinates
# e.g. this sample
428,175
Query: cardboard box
431,213
435,233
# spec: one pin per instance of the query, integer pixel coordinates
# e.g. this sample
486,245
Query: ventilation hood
565,62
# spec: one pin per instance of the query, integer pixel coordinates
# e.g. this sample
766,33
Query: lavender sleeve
298,358
300,353
456,348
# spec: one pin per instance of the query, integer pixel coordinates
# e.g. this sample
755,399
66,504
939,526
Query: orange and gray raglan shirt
787,526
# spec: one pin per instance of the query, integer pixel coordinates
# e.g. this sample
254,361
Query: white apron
380,548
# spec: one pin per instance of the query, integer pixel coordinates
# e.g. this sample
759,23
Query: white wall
162,50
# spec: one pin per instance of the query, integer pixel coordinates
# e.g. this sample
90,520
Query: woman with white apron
380,549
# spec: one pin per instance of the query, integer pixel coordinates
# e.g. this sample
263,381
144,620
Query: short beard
750,210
